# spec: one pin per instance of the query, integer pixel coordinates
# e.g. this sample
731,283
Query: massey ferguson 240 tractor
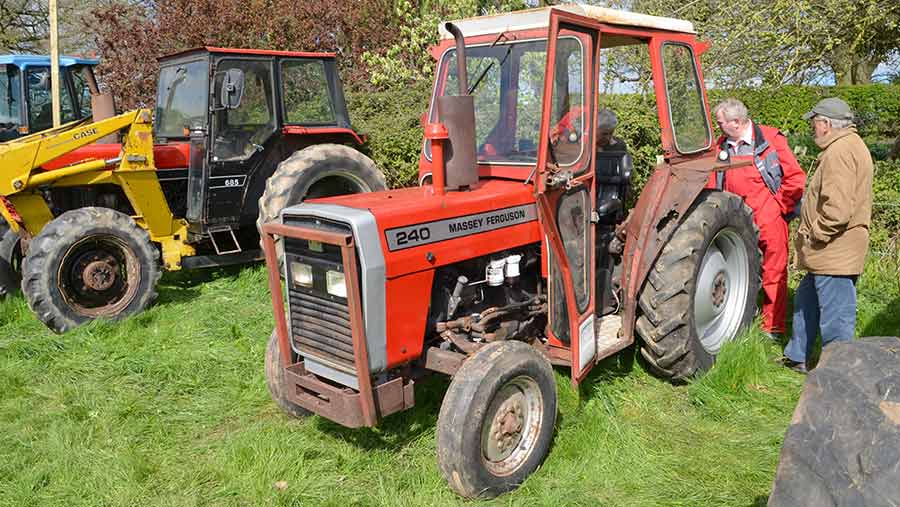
515,253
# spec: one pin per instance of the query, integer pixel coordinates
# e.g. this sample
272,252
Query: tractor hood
420,231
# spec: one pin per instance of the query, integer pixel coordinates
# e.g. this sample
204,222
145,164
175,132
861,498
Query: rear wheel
321,170
276,382
10,262
496,421
86,264
701,292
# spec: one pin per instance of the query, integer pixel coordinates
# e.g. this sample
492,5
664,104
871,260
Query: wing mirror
231,88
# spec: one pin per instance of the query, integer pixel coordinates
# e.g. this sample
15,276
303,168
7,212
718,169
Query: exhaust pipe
457,113
462,73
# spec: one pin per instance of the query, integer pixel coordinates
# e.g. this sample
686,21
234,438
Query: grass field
170,408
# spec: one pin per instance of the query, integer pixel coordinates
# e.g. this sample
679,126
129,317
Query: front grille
319,321
320,327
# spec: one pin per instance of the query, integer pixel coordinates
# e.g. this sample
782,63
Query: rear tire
701,292
321,170
496,422
89,263
10,262
276,383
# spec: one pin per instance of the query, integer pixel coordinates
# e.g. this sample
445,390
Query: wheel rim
720,294
512,425
99,276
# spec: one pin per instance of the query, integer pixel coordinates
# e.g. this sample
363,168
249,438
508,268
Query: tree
409,59
23,25
778,42
131,36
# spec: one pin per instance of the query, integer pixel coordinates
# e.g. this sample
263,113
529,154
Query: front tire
701,292
496,422
276,383
89,263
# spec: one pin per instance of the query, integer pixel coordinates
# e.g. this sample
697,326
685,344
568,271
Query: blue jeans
825,304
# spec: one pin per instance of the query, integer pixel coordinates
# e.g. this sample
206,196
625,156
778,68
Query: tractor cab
243,112
25,103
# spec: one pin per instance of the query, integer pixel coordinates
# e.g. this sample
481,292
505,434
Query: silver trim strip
372,275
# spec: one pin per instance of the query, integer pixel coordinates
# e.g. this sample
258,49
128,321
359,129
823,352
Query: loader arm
20,158
134,171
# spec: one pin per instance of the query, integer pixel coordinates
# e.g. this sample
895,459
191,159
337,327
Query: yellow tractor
237,135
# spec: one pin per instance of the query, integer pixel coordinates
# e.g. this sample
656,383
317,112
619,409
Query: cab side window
307,96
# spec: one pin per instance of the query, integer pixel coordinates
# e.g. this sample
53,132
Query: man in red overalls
772,187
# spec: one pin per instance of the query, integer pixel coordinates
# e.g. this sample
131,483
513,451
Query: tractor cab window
241,132
40,104
307,96
10,97
82,90
181,98
506,80
687,109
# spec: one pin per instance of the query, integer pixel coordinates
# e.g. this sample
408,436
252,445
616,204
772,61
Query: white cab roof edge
540,18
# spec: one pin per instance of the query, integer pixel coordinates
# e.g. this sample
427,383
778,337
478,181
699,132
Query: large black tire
89,263
10,261
496,422
701,291
321,170
276,383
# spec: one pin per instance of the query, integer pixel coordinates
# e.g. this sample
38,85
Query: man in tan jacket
833,235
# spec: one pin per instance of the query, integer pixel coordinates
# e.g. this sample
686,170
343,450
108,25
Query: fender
670,191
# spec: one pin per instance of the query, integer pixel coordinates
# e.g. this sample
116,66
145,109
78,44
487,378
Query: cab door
242,140
565,185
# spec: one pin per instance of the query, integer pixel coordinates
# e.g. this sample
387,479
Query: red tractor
515,253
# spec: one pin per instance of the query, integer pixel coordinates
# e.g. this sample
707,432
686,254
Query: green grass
170,408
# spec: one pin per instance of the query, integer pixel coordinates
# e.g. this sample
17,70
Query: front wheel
89,263
496,421
277,384
701,292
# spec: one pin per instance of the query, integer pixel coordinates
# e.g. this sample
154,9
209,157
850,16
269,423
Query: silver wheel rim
720,294
512,425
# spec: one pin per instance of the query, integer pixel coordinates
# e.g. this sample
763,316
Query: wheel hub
720,289
99,275
506,428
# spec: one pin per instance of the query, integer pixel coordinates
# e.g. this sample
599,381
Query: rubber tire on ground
302,176
10,261
276,383
47,251
464,411
670,344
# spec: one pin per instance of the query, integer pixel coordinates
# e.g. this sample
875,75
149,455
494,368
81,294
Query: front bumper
344,405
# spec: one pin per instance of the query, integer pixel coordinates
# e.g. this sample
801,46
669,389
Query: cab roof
540,18
44,60
251,52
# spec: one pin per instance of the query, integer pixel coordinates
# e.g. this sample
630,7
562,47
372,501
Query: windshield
10,93
507,82
181,98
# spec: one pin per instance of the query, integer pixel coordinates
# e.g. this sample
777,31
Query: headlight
301,274
335,284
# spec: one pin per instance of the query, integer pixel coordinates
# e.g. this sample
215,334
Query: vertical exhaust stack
457,113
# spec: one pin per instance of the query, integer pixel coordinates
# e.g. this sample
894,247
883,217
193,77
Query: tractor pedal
608,332
230,241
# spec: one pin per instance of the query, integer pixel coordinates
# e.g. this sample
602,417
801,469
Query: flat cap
833,108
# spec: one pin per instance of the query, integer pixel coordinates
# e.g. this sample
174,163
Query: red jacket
750,182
